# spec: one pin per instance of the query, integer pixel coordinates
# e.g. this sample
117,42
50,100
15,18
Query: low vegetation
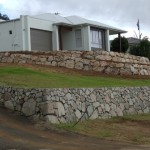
141,49
129,128
33,76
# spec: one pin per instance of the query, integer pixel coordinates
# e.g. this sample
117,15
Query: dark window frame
103,42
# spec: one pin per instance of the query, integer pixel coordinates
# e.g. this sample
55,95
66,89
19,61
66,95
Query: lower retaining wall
68,105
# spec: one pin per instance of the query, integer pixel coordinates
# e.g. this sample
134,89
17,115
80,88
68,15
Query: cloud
2,1
122,14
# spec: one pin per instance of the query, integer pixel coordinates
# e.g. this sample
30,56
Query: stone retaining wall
100,61
69,105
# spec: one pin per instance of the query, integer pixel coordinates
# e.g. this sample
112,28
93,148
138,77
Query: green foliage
142,49
115,45
4,17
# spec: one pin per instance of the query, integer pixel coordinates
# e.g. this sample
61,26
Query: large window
78,38
96,38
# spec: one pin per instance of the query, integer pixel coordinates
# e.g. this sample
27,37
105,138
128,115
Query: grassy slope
28,77
129,128
135,129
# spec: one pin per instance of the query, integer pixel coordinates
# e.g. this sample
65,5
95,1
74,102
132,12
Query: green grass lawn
21,76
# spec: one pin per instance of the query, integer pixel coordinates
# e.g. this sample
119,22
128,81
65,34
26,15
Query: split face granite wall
69,105
99,61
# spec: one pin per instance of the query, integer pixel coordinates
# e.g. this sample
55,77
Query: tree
115,45
142,49
4,17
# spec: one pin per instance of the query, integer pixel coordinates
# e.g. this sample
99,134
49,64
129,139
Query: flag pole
139,33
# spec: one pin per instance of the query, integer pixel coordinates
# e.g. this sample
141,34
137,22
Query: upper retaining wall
68,105
100,61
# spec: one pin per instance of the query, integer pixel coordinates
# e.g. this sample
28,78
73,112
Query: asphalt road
18,133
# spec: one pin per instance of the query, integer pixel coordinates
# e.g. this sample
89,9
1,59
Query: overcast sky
123,14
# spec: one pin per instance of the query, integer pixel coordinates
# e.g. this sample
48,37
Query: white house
48,32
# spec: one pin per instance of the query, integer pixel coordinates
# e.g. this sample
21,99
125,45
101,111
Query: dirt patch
136,131
17,132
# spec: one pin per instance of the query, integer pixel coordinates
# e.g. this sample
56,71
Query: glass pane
96,39
78,38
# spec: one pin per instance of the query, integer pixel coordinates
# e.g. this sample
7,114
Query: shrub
142,49
115,45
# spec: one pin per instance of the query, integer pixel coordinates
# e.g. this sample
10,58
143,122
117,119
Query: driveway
18,133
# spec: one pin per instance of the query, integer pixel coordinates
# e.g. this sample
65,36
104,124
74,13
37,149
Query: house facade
50,32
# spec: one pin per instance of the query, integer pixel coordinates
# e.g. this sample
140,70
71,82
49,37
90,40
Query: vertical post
60,37
139,34
119,36
138,25
27,33
86,38
107,41
55,38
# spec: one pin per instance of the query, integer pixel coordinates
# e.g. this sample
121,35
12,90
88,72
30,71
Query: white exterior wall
87,41
11,42
20,37
55,37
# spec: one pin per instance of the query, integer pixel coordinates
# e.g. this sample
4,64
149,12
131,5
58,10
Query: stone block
54,63
9,105
107,108
119,112
88,56
96,104
7,96
119,65
113,113
108,58
93,97
68,96
52,119
29,107
79,65
90,110
70,64
34,58
125,71
61,110
94,115
143,72
100,57
47,108
50,58
108,70
78,114
147,110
